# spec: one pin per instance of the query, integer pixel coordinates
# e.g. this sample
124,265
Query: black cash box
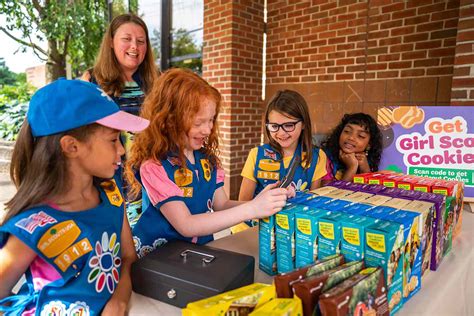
179,272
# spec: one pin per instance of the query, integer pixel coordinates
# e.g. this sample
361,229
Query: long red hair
171,106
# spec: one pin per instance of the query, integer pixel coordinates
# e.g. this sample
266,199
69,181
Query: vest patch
269,154
206,169
79,309
268,175
183,177
112,191
58,238
34,220
269,165
64,260
188,192
56,308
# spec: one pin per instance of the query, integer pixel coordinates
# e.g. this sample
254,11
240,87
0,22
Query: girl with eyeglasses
288,129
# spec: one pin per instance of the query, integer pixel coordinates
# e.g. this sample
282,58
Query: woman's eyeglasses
287,127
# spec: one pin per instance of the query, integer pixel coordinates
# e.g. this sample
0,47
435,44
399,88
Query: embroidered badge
159,242
137,243
183,177
206,168
34,220
105,264
269,165
65,259
56,308
78,309
112,191
144,251
188,192
58,238
269,154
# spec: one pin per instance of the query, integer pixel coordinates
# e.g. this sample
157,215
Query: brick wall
349,55
463,79
232,62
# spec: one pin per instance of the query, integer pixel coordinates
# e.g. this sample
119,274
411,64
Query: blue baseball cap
68,104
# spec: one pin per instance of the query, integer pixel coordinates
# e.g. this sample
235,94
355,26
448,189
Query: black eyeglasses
287,127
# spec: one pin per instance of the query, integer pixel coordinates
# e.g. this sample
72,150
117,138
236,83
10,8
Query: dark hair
39,168
107,69
289,102
331,144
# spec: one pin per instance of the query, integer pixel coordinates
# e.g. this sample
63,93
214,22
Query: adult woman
125,67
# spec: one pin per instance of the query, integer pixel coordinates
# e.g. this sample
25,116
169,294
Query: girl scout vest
198,183
270,168
83,247
337,167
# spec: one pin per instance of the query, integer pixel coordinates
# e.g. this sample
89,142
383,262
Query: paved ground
7,189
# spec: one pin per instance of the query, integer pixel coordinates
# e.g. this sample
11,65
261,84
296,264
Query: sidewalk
7,189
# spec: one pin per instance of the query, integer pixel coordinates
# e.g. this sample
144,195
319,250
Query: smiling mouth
132,54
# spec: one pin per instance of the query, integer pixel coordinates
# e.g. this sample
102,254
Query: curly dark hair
331,144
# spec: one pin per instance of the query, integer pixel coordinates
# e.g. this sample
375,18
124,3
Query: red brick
447,60
390,41
443,34
440,52
432,8
387,74
462,71
414,55
337,40
426,62
325,77
412,73
394,7
465,60
391,24
464,48
380,66
433,26
401,48
427,45
355,68
403,14
389,57
415,38
465,36
458,94
400,65
417,20
402,30
345,76
346,61
440,71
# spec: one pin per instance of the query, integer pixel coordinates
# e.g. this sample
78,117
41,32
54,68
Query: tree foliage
7,77
183,45
71,28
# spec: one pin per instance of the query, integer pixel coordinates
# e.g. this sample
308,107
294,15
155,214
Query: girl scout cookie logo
268,169
34,220
58,242
206,169
182,178
112,192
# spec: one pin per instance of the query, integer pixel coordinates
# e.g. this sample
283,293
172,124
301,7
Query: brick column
462,91
232,62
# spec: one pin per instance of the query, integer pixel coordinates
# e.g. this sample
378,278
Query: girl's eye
141,42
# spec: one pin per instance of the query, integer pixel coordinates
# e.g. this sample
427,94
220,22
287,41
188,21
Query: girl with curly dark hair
354,146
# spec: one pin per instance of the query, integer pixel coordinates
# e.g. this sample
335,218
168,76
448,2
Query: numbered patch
268,175
65,259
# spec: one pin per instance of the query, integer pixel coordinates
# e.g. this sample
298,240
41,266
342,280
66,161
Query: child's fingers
271,186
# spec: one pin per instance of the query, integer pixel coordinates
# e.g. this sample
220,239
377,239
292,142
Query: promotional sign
430,141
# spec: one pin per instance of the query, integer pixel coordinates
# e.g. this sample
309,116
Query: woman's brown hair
289,102
171,106
39,169
107,69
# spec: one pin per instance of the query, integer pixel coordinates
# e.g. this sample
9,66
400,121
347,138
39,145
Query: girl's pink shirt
157,184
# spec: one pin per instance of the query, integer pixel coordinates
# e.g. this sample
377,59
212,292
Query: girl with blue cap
65,227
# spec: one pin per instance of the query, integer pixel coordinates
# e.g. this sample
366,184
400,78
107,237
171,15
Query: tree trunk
56,64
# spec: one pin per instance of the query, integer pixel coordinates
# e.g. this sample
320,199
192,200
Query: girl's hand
114,307
270,201
290,191
349,160
362,161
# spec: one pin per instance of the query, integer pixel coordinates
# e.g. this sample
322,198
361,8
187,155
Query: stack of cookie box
405,232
